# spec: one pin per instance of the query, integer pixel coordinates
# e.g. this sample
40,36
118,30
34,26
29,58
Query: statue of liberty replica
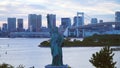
55,43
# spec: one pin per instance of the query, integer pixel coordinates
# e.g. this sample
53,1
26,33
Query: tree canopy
103,58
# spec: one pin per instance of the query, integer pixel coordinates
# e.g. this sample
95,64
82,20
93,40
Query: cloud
62,8
37,6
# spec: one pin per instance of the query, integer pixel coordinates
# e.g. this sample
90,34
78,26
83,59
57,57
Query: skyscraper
65,22
100,21
117,16
0,28
19,25
4,27
94,21
79,19
11,24
34,22
117,19
51,18
39,22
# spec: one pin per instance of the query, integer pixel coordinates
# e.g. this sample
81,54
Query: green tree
4,65
103,58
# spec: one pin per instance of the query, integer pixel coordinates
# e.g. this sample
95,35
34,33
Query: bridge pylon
82,15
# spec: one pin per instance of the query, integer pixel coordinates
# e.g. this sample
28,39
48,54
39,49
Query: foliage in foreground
4,65
103,58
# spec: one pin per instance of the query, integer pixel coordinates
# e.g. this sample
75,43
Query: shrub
103,58
4,65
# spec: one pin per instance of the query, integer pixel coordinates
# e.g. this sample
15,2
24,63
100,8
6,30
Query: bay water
25,51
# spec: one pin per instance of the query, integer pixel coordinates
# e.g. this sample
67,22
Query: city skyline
101,9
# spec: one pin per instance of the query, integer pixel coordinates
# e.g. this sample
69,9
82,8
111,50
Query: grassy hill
95,40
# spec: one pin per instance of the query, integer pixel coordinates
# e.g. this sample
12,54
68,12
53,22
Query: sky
101,9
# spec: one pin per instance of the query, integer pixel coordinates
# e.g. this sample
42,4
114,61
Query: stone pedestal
50,66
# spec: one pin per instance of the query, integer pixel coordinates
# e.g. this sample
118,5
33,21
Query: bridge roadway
96,25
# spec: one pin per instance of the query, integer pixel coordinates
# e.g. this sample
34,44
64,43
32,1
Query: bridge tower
82,15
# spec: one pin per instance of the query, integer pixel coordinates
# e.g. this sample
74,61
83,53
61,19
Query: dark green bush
4,65
103,58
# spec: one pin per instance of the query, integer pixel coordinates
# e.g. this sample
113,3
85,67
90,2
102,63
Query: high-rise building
94,21
100,21
78,21
117,19
117,16
39,23
11,24
65,22
51,19
4,27
31,22
34,22
0,28
19,25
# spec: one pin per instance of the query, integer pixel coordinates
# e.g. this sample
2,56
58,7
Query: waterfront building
4,27
117,19
117,16
19,25
34,22
39,23
51,19
65,22
44,29
11,24
30,34
94,21
0,30
100,21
